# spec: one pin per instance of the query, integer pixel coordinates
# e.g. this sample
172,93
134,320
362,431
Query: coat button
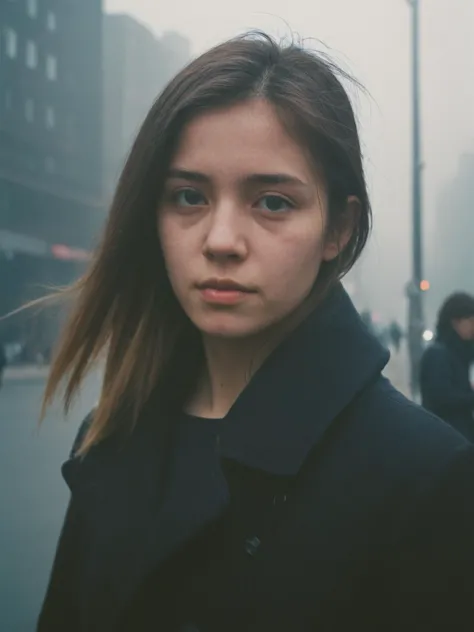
252,545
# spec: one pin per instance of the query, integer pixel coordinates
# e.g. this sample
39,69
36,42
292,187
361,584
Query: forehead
246,137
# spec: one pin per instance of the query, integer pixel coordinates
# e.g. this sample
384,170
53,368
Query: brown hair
125,306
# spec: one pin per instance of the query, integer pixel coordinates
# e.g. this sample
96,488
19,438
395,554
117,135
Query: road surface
33,495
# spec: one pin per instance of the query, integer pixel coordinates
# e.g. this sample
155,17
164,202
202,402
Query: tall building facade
137,66
51,186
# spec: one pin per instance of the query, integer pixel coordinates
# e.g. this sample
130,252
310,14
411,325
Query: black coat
445,382
348,508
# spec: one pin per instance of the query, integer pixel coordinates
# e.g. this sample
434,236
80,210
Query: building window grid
11,43
51,22
50,117
51,68
31,54
32,8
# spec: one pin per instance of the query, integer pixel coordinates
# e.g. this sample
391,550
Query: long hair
125,309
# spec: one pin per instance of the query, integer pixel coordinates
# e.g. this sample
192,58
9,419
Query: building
51,199
450,252
137,65
176,50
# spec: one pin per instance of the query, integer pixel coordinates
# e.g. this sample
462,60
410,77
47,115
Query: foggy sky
372,39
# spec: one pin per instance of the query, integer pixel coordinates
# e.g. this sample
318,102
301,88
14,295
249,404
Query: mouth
225,285
223,292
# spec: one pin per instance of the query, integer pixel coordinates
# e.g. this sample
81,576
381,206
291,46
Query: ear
339,237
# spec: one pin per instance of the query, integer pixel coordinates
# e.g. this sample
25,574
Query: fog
371,38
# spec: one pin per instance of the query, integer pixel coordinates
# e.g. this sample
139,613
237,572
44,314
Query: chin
226,325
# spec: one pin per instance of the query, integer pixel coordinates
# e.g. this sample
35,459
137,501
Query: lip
225,285
223,291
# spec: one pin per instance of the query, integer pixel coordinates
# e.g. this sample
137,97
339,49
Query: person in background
247,467
445,383
366,318
396,335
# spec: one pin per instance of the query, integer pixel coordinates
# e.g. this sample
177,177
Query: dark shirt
173,593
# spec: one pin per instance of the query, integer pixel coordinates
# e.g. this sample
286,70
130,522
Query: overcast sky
372,39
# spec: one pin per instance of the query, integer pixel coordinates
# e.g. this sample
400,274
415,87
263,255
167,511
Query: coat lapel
301,389
282,415
132,527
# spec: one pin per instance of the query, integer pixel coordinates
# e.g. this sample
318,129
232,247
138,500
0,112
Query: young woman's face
464,327
242,223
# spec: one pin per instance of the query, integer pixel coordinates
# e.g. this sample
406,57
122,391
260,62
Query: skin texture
243,203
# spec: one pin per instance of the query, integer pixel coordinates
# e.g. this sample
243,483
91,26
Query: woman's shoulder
81,434
112,450
435,352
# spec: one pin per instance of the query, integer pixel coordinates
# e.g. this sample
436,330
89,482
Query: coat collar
302,388
282,414
291,401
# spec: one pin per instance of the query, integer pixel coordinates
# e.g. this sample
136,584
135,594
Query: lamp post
415,292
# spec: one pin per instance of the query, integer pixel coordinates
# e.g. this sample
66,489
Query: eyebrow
254,178
184,174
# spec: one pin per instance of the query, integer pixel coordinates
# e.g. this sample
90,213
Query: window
51,67
32,8
31,54
11,43
51,21
50,117
29,110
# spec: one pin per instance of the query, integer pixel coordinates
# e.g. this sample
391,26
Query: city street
33,494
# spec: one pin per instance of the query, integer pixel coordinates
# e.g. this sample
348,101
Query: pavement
33,496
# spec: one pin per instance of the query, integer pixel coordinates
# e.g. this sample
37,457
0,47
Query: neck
229,366
230,363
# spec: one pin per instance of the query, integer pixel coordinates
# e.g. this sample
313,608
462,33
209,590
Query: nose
225,238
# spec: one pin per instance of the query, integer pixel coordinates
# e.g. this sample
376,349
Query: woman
247,466
445,381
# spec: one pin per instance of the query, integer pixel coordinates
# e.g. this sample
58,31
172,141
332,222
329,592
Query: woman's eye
274,204
189,197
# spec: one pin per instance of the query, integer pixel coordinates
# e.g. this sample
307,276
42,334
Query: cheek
172,248
297,262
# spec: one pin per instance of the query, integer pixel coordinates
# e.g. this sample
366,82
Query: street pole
415,294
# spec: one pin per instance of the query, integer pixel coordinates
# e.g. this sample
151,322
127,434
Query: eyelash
175,199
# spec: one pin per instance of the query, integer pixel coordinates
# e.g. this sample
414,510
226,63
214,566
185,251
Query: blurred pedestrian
247,466
445,369
396,335
366,318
